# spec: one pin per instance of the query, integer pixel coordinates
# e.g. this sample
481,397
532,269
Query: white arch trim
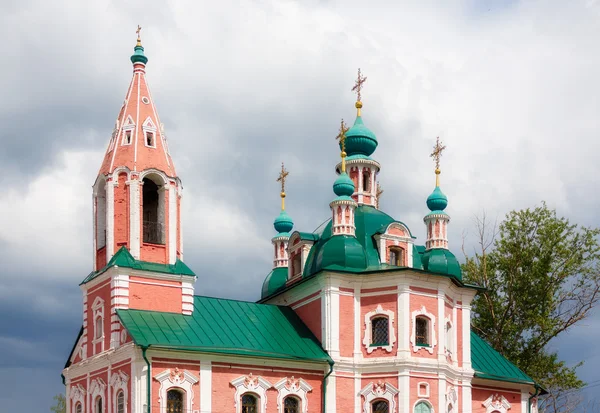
182,380
291,386
97,390
251,384
413,338
431,409
379,390
77,395
118,382
152,171
389,314
496,402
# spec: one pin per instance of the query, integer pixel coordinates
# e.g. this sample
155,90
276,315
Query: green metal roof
489,364
123,258
275,281
441,260
227,327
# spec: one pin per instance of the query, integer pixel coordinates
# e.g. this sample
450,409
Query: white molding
118,382
134,218
424,394
379,390
452,399
172,225
77,395
467,398
389,314
251,384
182,380
205,386
496,402
96,390
466,336
110,217
427,402
432,342
290,386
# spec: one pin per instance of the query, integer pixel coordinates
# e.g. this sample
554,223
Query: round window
145,100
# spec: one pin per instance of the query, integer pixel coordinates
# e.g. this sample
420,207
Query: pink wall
102,290
311,316
121,225
344,391
431,306
480,394
160,365
433,390
346,326
151,295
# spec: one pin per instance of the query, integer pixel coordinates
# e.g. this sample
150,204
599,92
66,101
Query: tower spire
343,206
283,224
437,220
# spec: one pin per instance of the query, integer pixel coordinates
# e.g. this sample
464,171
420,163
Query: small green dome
283,223
441,261
274,282
437,201
343,185
138,55
342,252
360,140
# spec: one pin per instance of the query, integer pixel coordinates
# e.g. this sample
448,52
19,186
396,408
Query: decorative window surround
183,380
382,238
148,127
129,126
303,248
413,339
118,382
97,390
292,387
98,312
423,389
379,390
496,402
368,329
251,384
77,395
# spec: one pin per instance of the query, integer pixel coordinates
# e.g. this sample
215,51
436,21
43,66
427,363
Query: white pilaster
331,396
172,224
94,240
441,393
403,321
205,386
466,336
134,217
467,400
357,328
357,399
454,336
404,394
333,296
524,401
110,218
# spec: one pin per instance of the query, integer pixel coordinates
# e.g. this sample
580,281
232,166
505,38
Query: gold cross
342,135
358,85
378,195
438,148
282,175
139,41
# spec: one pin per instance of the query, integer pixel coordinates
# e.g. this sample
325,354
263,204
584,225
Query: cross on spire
139,29
438,148
358,85
282,175
341,136
378,195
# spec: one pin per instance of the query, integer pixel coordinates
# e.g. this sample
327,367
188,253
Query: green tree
60,406
542,277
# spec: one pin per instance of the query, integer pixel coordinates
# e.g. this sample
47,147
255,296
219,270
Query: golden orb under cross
282,175
139,40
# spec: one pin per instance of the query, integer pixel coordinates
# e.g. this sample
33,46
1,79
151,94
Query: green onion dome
138,54
274,282
441,261
283,223
360,140
437,201
343,185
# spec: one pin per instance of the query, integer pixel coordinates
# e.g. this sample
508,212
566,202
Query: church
355,317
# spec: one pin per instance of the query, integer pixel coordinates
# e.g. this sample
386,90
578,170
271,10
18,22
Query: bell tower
137,193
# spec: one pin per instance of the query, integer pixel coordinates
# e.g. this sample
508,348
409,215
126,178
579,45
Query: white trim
172,224
96,390
466,336
432,410
77,395
134,217
389,314
251,384
118,382
432,341
205,386
110,217
452,399
182,380
467,400
290,386
496,402
426,392
379,390
98,312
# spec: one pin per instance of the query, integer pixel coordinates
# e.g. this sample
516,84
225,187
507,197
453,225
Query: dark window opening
380,331
99,405
153,228
174,401
366,182
422,331
291,405
127,138
249,403
149,139
380,406
397,257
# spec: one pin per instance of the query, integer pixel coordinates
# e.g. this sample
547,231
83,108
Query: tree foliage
60,406
542,276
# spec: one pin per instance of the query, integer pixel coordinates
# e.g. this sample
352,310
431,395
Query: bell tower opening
101,215
153,213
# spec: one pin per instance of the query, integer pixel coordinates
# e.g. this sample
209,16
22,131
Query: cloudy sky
511,87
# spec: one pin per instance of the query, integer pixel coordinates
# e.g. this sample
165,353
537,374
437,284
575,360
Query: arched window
78,408
98,328
174,401
366,183
422,331
120,402
291,405
98,405
397,256
249,403
422,407
380,406
153,225
380,331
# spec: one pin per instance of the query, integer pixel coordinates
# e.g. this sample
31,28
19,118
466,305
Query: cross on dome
139,41
341,136
282,175
358,85
438,148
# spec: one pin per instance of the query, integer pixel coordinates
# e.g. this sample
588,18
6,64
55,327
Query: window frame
181,393
399,253
98,313
426,339
431,338
256,398
368,333
380,401
292,397
373,332
292,387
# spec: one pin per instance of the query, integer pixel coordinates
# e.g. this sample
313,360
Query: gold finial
139,41
282,175
358,85
342,138
438,148
378,195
